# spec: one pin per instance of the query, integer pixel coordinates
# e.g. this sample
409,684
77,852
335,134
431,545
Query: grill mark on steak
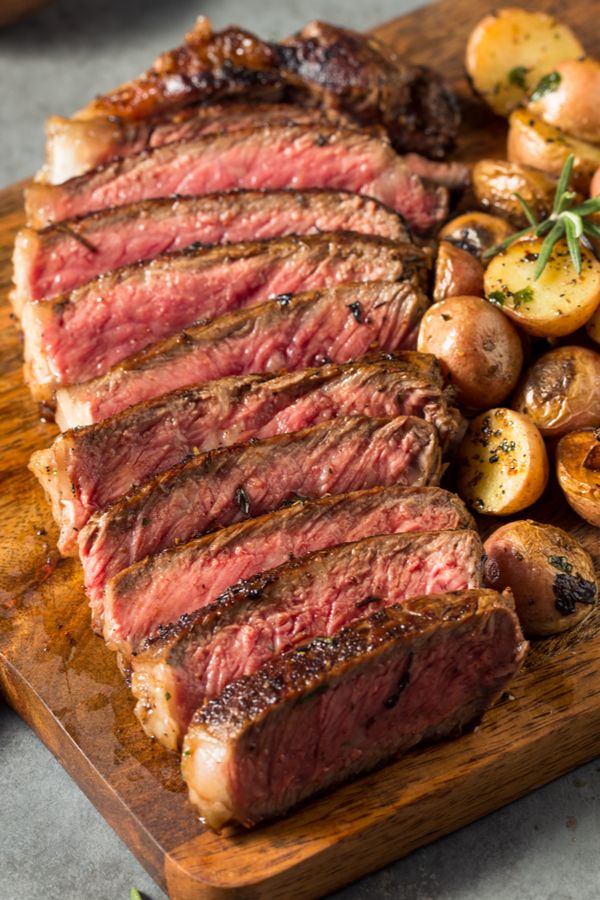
199,495
148,596
277,610
316,716
312,328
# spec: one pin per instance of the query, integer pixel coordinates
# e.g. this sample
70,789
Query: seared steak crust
160,589
275,611
317,715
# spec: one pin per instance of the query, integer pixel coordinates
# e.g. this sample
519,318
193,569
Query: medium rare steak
279,156
225,486
146,597
286,333
147,439
278,610
337,707
62,257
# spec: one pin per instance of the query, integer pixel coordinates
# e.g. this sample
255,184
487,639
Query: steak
226,486
74,146
149,438
291,333
79,336
279,156
335,708
64,256
143,599
276,611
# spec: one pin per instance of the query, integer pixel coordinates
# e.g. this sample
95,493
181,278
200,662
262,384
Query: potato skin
560,392
595,184
477,347
578,473
550,574
476,232
457,273
495,182
573,105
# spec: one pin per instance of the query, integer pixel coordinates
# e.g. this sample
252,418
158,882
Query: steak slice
335,708
289,332
280,156
276,611
140,601
147,439
64,256
225,486
78,336
74,146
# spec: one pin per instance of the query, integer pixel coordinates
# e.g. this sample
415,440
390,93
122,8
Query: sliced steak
149,438
64,256
335,708
143,599
74,146
276,611
78,336
280,156
286,333
225,486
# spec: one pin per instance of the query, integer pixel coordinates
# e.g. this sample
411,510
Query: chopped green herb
524,296
187,753
561,562
167,696
517,75
497,297
546,85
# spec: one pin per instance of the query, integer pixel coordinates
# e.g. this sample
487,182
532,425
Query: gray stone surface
53,843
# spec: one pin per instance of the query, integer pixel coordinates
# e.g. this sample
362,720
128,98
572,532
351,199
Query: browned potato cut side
572,102
476,232
578,472
457,273
496,182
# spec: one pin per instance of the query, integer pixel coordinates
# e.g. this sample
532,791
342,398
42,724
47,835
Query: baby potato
559,302
496,181
550,574
510,50
478,348
502,463
561,391
476,232
578,472
595,184
534,143
572,102
457,273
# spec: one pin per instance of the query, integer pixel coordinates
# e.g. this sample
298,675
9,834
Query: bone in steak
308,329
225,486
276,611
279,156
334,708
149,438
143,599
64,256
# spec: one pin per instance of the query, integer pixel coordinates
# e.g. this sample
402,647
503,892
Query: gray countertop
53,843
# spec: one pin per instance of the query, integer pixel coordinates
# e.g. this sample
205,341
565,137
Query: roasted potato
502,463
534,143
561,391
495,182
571,100
476,232
595,184
558,303
478,348
550,574
578,472
457,273
509,51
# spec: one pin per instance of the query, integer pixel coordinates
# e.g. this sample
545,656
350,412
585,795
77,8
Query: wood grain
65,683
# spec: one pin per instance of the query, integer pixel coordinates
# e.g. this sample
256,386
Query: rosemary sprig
565,221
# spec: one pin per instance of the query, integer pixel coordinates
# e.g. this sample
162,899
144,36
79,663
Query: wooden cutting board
64,682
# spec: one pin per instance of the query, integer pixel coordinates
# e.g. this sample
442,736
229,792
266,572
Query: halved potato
502,463
496,181
573,101
534,143
476,232
578,472
558,303
510,50
457,273
561,391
